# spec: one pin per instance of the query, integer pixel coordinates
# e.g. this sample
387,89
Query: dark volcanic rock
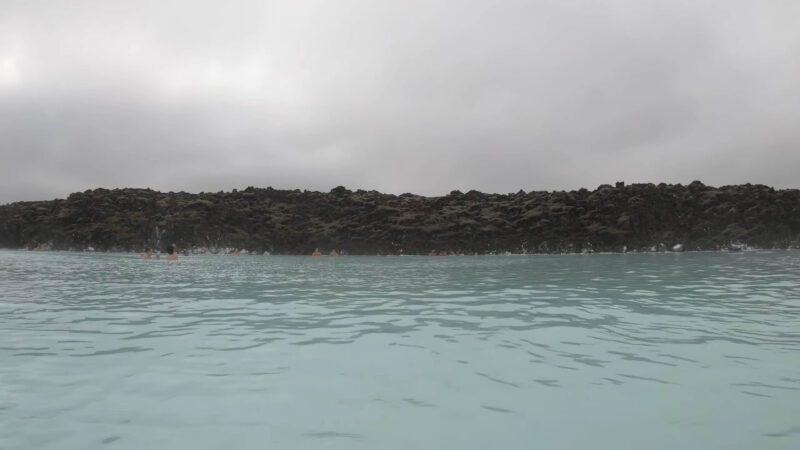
611,218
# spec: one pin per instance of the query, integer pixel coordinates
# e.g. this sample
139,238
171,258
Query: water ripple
309,350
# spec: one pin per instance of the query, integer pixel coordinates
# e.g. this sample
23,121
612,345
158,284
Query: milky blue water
656,351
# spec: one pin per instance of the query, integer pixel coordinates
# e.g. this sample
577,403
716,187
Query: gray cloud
413,96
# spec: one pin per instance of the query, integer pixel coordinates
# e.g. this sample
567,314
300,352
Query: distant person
333,253
236,252
148,253
39,247
433,253
316,253
172,253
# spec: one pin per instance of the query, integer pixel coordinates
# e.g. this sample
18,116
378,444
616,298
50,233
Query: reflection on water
695,350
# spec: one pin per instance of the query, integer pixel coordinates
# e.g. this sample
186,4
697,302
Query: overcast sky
417,96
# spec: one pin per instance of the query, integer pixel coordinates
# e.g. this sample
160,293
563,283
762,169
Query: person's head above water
171,248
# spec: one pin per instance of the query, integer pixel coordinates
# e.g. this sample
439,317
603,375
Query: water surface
657,351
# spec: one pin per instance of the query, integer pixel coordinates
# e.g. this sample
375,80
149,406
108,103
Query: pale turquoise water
648,351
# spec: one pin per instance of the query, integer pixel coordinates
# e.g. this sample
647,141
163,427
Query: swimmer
148,252
433,253
333,253
316,253
172,253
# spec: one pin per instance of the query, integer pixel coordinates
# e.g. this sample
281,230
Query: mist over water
657,351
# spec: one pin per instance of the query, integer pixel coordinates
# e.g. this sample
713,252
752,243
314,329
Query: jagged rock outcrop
639,217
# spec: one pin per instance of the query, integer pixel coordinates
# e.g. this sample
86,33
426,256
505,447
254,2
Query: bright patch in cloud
9,72
214,77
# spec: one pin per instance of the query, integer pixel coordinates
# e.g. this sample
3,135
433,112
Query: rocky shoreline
637,217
